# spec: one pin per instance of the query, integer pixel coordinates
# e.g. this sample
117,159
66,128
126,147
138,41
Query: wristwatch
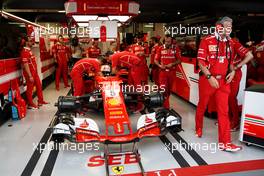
208,76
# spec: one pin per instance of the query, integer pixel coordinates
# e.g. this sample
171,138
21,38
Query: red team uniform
259,57
155,68
86,65
28,58
234,86
93,52
132,62
216,54
141,52
166,76
62,54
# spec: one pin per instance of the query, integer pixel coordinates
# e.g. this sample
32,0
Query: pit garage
109,120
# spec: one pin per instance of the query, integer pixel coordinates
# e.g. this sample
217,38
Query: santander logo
85,124
148,120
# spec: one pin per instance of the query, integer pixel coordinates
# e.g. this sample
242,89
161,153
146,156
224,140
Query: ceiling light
83,24
148,26
84,18
16,23
103,18
61,11
179,13
119,18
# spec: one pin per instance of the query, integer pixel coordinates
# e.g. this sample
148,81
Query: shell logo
114,101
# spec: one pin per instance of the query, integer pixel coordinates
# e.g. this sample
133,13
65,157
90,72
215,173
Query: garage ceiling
151,10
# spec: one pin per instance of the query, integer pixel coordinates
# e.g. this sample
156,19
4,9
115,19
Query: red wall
10,70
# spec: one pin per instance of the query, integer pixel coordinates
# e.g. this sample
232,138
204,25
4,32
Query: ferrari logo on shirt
212,48
118,169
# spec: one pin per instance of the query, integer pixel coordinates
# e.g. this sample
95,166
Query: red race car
71,121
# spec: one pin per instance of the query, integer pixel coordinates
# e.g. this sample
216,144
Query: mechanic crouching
134,65
88,66
132,62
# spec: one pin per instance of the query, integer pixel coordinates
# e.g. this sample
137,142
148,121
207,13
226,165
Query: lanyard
228,50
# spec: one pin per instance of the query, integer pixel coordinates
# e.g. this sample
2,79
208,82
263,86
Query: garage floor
21,141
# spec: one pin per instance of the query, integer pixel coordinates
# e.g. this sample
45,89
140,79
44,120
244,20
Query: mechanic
62,56
129,47
76,50
135,66
93,51
174,42
139,50
130,61
88,66
259,57
153,66
234,88
215,59
52,51
30,73
166,58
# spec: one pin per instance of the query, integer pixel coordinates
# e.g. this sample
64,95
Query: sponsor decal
113,102
113,160
212,48
116,112
148,120
118,169
85,124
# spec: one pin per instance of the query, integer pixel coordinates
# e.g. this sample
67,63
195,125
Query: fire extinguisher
103,33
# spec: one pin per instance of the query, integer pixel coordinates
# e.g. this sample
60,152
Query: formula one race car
71,121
